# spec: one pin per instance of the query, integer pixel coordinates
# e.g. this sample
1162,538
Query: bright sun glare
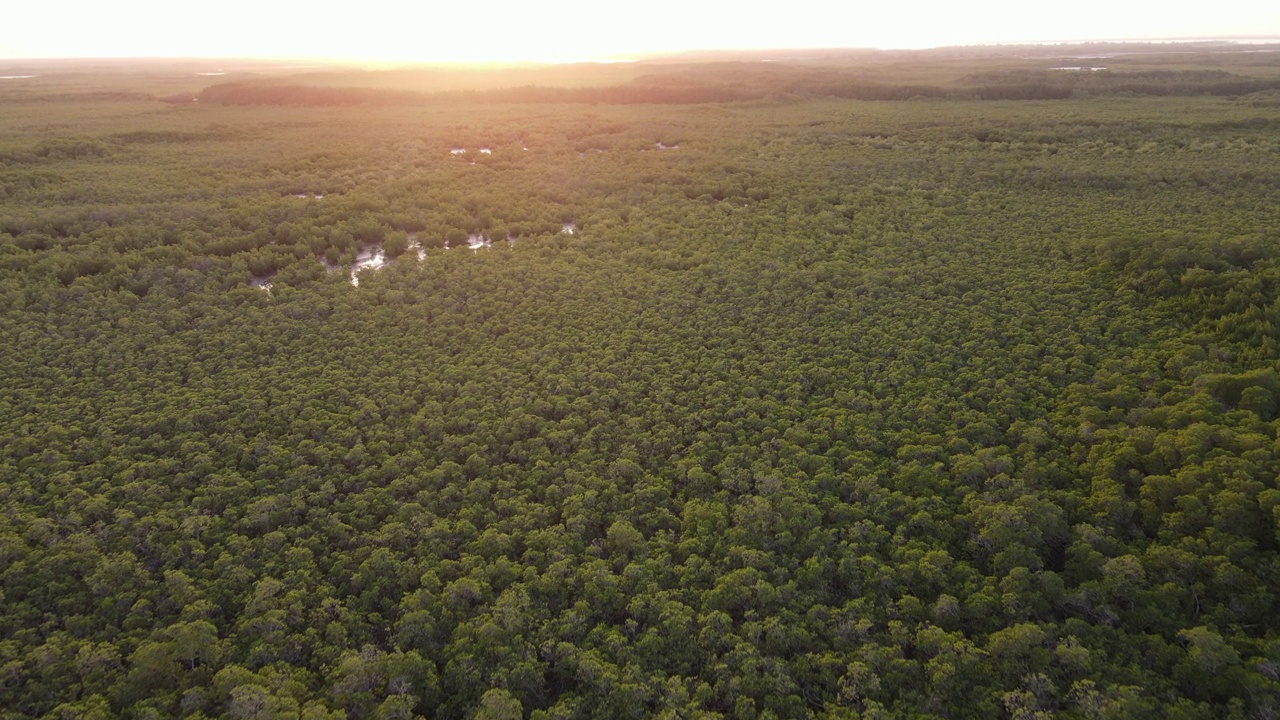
564,30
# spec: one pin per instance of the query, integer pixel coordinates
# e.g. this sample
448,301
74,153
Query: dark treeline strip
1058,84
255,94
1019,85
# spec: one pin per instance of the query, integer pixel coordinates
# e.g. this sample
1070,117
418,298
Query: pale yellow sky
553,30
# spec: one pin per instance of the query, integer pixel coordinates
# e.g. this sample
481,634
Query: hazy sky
467,30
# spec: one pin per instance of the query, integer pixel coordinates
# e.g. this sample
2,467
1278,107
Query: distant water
1260,40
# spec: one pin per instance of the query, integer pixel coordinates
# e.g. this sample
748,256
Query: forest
904,385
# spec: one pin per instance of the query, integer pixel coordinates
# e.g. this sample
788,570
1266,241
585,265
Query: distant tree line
677,90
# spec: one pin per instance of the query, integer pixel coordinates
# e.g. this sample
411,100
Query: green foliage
840,409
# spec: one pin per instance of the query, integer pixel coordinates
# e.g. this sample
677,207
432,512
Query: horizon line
1249,39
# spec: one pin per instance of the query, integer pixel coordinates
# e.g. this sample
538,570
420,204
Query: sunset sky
557,30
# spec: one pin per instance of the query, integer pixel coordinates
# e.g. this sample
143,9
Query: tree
498,704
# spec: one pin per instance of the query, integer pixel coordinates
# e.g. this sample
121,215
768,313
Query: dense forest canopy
780,404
